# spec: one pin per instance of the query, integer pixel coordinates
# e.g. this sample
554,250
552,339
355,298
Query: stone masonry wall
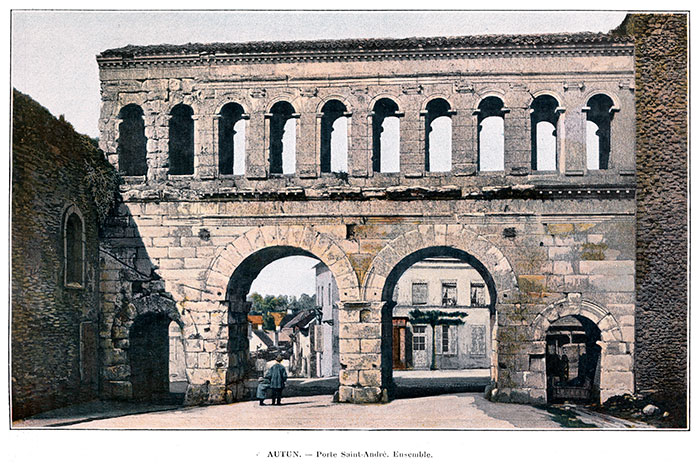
662,202
551,256
54,337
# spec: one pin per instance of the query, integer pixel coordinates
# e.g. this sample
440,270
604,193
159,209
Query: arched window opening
282,139
74,250
181,140
490,135
543,121
598,118
438,136
131,146
334,138
385,137
232,140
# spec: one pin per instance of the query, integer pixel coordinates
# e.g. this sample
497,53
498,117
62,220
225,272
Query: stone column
516,128
256,166
360,345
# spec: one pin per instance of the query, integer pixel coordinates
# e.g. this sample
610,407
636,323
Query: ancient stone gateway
514,154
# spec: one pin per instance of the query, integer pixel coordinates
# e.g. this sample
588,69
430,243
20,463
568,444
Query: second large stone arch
365,331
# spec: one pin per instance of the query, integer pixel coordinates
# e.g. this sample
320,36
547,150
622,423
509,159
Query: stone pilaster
412,142
464,141
256,166
307,153
516,129
205,161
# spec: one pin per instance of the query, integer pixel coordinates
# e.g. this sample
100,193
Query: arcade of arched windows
384,120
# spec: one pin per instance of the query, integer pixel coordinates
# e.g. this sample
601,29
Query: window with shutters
419,293
478,294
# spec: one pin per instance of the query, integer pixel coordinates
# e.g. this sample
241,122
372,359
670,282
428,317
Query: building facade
455,294
513,154
327,298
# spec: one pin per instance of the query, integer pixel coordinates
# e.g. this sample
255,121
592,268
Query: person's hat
279,358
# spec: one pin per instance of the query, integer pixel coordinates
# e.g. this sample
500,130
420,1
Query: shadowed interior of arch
573,360
437,323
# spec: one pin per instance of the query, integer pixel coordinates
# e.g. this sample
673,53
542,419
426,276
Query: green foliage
263,305
268,322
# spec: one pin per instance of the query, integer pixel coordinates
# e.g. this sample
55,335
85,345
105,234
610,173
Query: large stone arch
451,239
304,237
449,235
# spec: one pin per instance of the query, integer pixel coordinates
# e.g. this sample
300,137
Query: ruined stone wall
54,338
662,222
552,244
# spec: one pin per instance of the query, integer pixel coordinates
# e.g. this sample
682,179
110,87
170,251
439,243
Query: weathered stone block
370,345
361,361
367,395
345,394
348,377
370,378
349,345
360,330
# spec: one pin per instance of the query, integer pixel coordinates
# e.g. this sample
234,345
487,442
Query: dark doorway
573,361
148,357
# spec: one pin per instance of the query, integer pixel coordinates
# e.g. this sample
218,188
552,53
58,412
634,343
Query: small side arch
571,306
597,91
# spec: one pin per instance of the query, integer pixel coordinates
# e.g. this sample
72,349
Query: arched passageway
438,315
302,328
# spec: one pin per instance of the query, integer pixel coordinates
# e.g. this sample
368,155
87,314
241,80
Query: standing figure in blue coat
277,375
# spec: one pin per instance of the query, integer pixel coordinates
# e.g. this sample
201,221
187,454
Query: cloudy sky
53,55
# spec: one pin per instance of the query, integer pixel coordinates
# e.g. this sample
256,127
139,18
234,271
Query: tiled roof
413,43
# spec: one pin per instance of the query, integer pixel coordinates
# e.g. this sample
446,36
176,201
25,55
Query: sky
53,52
53,57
